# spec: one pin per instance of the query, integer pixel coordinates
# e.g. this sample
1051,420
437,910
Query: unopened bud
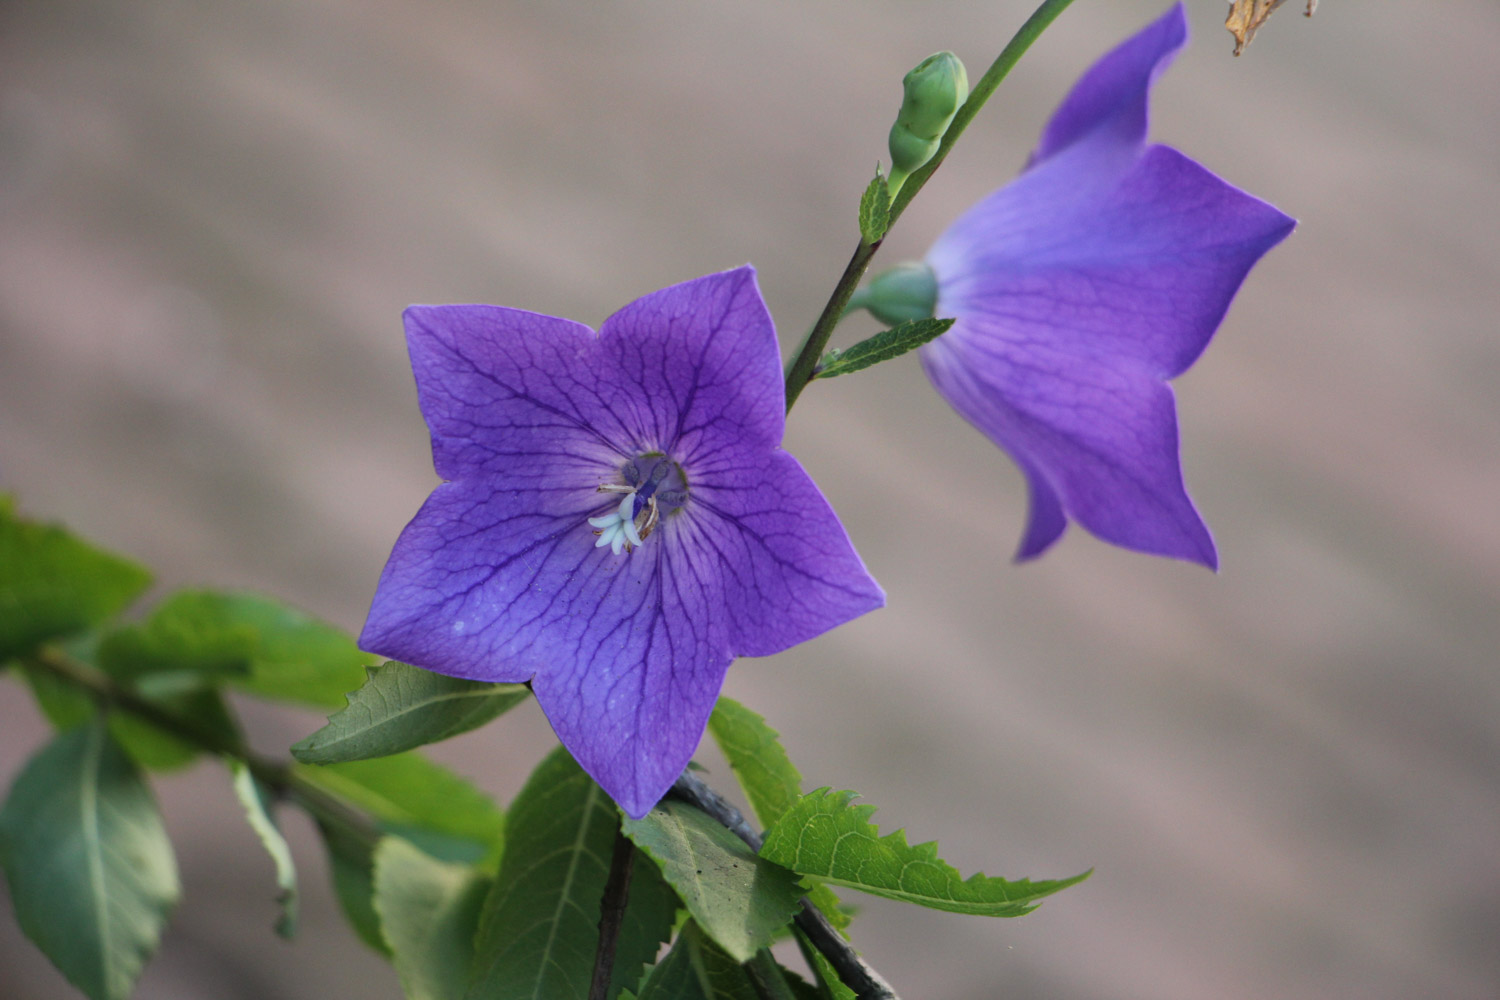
935,90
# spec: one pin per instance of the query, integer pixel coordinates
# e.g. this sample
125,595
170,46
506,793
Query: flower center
654,487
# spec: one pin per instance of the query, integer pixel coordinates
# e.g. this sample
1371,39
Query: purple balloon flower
1079,289
618,519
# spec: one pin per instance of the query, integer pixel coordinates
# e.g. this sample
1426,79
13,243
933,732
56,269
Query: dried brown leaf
1246,17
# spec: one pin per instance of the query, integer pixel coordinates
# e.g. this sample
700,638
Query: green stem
280,777
800,371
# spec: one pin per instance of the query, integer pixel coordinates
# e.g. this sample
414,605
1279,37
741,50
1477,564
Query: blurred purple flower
1079,289
618,520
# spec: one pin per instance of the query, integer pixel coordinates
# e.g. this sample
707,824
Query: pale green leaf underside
738,899
401,707
429,911
91,871
827,837
254,800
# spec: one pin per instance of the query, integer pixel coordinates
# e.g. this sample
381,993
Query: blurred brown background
211,215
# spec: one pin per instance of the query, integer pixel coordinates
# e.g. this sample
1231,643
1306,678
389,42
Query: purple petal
1108,104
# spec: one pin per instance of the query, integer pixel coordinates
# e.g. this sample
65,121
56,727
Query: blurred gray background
211,215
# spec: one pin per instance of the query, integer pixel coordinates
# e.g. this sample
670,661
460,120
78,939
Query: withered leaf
1246,17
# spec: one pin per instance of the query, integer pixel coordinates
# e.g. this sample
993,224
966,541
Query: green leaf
429,911
883,346
53,584
875,209
255,643
351,865
650,916
696,969
401,707
255,800
739,899
541,921
827,837
91,871
412,795
830,986
753,749
770,780
157,749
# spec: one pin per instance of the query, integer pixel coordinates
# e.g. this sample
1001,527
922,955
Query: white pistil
618,529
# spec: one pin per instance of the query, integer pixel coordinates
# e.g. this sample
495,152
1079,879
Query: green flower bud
905,292
935,90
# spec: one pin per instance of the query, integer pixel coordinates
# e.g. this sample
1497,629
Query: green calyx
935,90
906,292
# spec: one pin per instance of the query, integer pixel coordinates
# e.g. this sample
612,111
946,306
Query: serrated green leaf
875,209
401,707
737,898
827,837
53,584
429,912
411,795
883,346
91,871
255,800
768,776
540,926
696,969
255,643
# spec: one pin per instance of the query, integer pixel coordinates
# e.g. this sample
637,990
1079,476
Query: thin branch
800,371
853,970
612,914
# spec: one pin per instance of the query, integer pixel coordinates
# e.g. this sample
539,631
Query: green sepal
401,707
540,925
429,913
54,584
881,347
255,799
875,209
737,898
91,871
827,837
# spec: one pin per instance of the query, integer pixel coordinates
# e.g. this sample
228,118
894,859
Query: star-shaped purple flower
1079,289
618,519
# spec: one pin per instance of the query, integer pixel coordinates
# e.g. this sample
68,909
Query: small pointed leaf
255,800
827,837
91,871
429,911
53,584
401,707
875,209
738,899
883,346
